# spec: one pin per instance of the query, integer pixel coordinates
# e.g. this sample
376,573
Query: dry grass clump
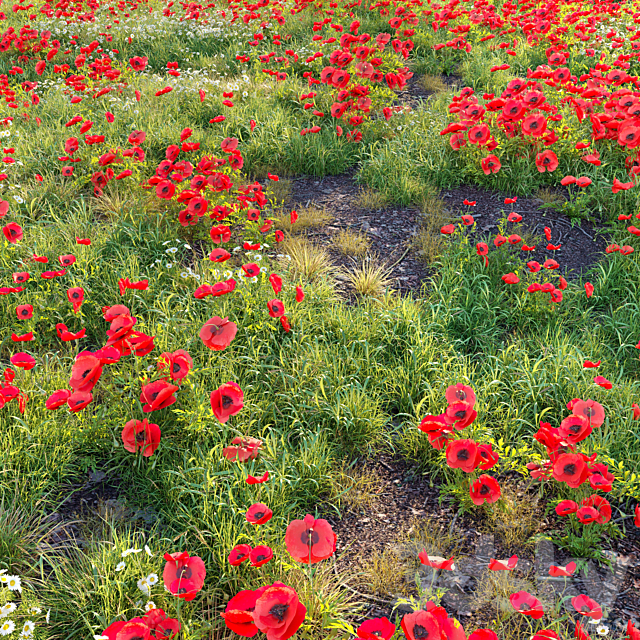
369,278
354,487
351,243
308,218
433,84
371,199
306,260
518,516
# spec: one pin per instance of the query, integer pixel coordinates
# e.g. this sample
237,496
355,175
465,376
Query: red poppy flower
299,294
488,457
67,261
220,234
13,232
258,513
376,629
570,468
588,287
86,371
253,480
278,612
636,411
626,250
447,230
482,248
179,363
601,478
251,270
23,361
587,515
433,423
567,180
310,540
490,164
20,277
566,508
575,428
242,449
556,571
218,333
66,336
601,505
460,415
467,220
485,489
421,625
276,308
514,238
591,365
260,555
593,411
527,604
436,562
239,554
460,393
57,399
76,297
587,607
483,634
511,278
546,161
24,311
227,400
462,454
238,614
479,134
78,400
601,381
157,395
514,217
219,255
141,435
503,565
632,632
621,186
583,181
133,630
183,576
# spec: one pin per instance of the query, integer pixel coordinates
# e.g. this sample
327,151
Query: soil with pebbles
405,497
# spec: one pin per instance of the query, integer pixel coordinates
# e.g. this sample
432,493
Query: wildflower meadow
320,319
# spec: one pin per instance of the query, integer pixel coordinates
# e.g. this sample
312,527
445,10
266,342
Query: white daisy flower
152,579
144,586
28,627
147,550
7,609
602,630
7,628
149,606
128,552
13,582
36,611
121,566
100,637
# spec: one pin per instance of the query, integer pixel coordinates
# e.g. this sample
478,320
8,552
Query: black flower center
419,632
279,611
570,469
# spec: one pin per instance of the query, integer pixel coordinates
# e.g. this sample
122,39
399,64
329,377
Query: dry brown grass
392,572
308,218
354,487
280,191
433,84
550,196
369,278
371,199
518,516
351,243
306,259
428,241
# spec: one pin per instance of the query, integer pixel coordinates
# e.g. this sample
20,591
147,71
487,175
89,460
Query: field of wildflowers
211,385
